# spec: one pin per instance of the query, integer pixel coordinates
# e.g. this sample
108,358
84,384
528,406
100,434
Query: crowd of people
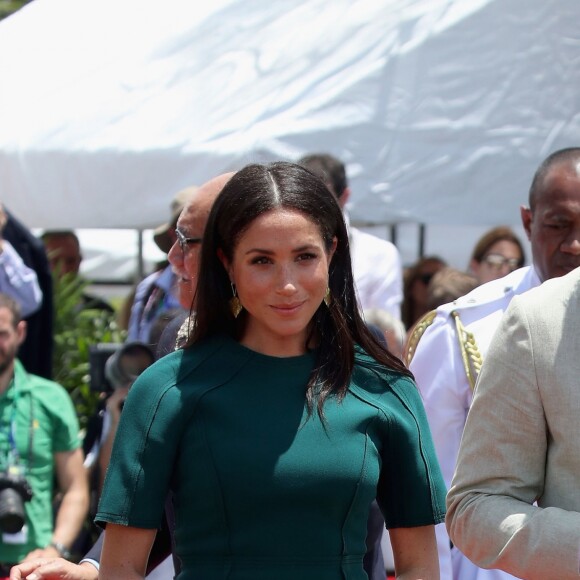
309,393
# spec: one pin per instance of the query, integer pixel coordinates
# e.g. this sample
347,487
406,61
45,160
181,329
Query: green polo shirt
42,411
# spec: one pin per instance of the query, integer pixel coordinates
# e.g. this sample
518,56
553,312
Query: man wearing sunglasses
447,349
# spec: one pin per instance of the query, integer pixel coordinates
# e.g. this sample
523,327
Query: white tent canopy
442,109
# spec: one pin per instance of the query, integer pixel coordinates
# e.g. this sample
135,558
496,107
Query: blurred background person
17,280
392,328
416,282
39,446
497,253
36,351
64,256
447,285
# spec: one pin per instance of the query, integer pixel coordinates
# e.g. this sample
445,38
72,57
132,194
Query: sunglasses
184,241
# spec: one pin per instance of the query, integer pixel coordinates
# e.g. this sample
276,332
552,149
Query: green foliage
7,7
75,329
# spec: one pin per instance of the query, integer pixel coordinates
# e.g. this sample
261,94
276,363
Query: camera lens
11,511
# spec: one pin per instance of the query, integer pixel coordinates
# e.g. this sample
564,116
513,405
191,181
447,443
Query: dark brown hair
251,192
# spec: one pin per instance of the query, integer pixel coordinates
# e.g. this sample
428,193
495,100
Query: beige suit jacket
521,442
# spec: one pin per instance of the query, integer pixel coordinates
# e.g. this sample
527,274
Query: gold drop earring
235,304
327,297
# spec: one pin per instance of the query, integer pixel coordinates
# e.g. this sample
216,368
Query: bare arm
72,479
125,552
415,553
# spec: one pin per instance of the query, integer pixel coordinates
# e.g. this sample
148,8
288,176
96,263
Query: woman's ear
223,260
332,249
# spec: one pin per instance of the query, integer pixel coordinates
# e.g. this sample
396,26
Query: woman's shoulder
380,385
193,369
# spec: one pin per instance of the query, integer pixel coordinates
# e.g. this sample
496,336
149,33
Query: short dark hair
491,237
251,192
330,169
562,156
9,302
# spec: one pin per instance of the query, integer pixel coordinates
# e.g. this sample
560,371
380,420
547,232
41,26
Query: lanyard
13,455
13,458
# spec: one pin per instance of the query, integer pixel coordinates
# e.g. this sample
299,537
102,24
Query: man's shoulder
477,312
28,381
564,290
490,297
372,243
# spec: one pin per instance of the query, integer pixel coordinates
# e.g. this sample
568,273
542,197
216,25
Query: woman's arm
415,553
125,552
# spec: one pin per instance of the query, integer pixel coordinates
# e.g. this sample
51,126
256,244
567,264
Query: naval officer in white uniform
446,350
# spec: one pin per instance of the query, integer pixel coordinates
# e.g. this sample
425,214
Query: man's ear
21,331
527,216
343,199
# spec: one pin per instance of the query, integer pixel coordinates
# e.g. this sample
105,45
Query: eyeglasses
498,261
184,241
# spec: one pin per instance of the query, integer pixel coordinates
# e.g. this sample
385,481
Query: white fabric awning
442,109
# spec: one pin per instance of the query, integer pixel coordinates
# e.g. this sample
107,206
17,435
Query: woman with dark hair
283,418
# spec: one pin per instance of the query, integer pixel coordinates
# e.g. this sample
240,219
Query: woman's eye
306,256
261,260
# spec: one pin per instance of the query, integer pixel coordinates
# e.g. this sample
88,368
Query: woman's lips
287,308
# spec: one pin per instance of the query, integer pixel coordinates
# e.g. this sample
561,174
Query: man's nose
175,255
571,244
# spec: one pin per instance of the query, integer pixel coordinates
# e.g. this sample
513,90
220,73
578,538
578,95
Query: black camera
14,491
114,365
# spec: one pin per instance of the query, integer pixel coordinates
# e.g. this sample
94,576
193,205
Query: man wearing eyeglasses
158,293
446,351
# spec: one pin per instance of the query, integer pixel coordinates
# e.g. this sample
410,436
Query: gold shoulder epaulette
415,334
470,354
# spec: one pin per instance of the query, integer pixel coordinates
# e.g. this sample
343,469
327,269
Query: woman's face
502,258
280,269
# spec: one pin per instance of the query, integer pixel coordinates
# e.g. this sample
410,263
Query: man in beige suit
521,443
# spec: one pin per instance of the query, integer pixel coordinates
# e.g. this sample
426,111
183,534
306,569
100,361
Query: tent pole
140,261
422,237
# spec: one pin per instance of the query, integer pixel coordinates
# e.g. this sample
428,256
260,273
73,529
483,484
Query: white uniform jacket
378,272
441,376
